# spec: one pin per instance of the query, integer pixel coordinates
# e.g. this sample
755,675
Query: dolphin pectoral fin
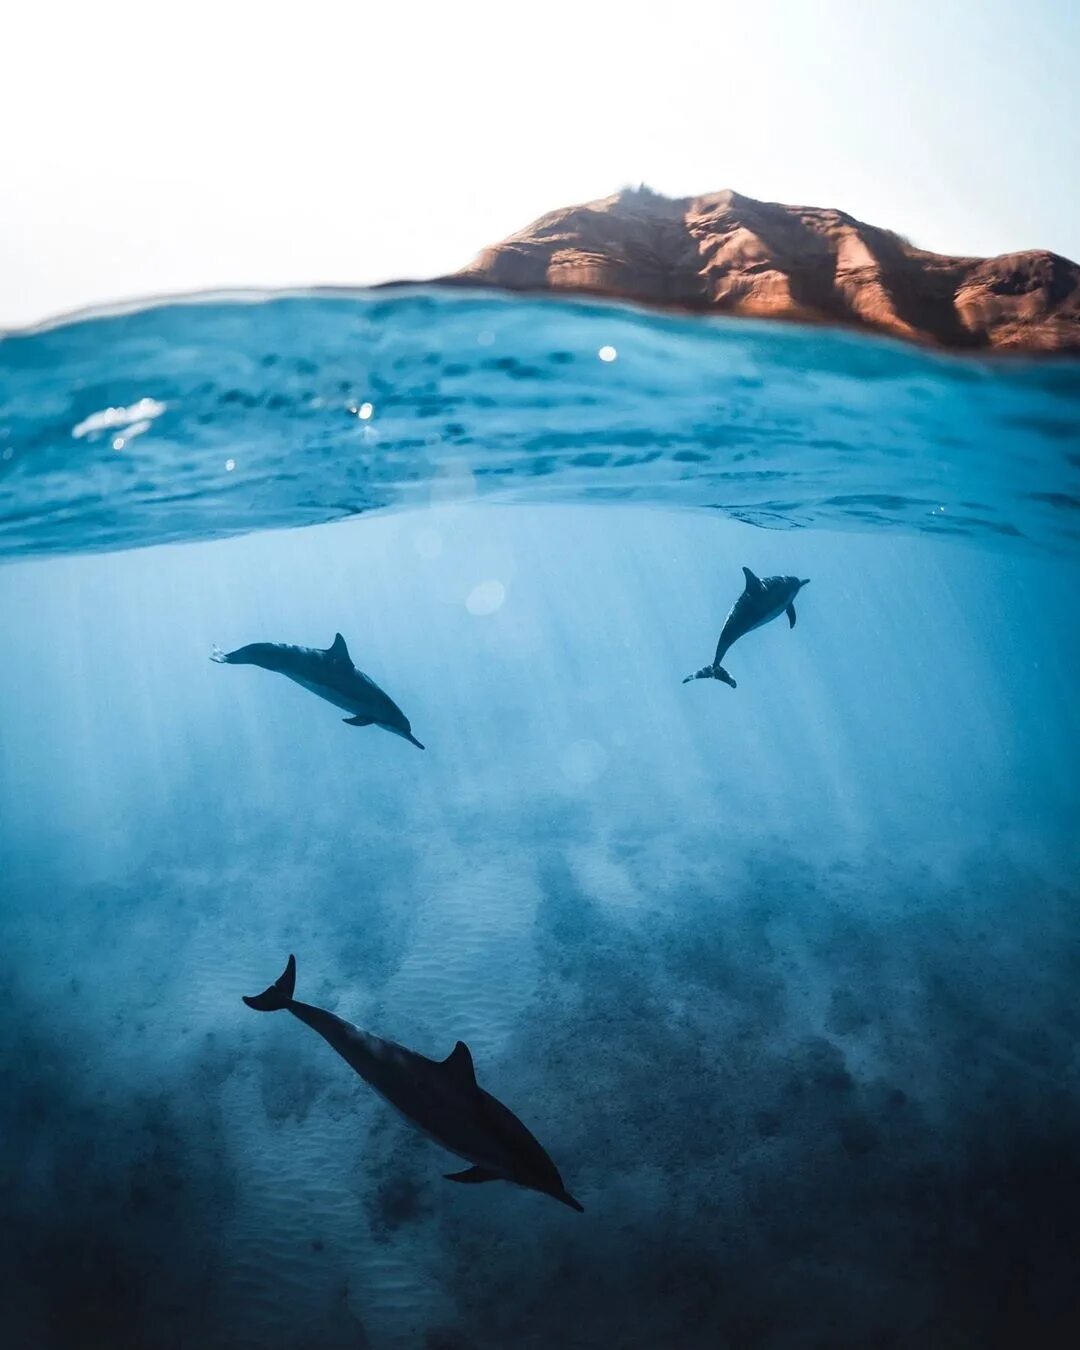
791,616
471,1175
359,721
459,1062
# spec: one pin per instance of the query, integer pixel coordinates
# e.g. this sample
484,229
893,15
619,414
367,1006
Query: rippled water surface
188,421
783,977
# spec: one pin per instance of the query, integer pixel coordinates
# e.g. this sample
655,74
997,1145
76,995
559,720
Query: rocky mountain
730,254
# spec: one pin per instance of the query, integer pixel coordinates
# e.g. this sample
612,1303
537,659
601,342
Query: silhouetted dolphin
759,602
440,1098
330,674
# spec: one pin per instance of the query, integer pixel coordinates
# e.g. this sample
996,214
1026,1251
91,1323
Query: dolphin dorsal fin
459,1062
338,651
753,583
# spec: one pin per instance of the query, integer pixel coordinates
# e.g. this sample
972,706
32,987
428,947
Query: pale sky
148,149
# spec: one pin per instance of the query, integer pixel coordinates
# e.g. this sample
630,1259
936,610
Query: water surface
187,421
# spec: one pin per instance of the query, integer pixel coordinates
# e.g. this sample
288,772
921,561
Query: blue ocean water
783,977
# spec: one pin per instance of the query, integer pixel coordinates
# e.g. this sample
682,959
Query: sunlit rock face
735,255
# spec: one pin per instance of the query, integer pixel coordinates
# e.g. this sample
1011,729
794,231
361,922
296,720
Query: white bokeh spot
486,598
428,543
584,761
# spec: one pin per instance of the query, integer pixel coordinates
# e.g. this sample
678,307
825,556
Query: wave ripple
193,420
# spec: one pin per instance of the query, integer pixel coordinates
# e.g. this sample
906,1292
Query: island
724,253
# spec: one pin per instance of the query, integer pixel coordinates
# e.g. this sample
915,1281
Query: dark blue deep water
785,978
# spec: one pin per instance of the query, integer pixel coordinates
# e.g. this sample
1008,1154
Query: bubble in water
584,761
607,353
230,464
486,598
129,433
365,411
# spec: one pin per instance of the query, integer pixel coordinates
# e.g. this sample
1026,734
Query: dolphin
760,602
330,674
440,1098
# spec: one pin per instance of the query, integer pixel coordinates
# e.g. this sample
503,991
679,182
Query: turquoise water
783,977
232,417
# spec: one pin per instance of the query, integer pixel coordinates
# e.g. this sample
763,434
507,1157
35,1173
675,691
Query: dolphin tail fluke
280,993
711,673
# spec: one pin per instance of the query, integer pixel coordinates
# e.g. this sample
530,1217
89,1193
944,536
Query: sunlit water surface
784,977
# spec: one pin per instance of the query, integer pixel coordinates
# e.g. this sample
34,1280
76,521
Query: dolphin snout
404,732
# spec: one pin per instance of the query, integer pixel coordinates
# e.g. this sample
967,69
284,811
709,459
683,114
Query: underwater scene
348,675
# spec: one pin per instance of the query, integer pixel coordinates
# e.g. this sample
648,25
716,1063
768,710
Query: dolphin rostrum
330,674
761,601
441,1098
